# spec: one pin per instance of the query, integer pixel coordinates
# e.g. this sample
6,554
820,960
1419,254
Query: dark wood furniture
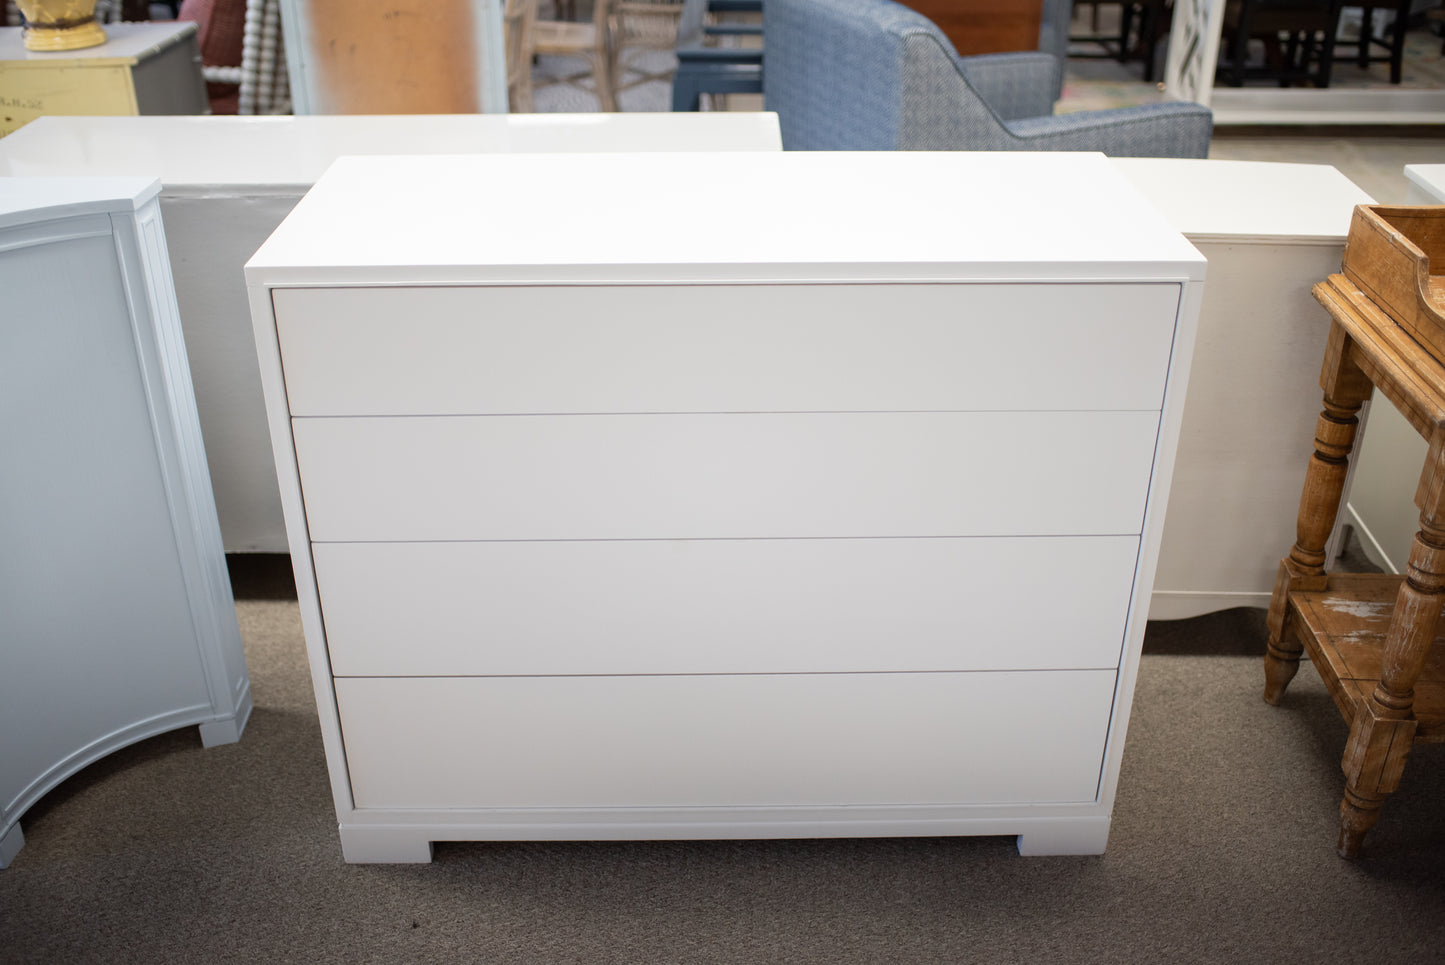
1393,41
1298,36
1373,638
984,26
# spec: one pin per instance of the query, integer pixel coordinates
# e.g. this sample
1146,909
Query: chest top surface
727,217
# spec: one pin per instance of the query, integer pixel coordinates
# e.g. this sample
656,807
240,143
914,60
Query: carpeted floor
1221,851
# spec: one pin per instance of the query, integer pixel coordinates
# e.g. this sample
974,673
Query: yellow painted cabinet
142,68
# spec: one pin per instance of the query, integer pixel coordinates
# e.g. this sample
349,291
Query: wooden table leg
1384,726
1346,389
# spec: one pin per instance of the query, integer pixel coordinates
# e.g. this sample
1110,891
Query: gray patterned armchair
872,75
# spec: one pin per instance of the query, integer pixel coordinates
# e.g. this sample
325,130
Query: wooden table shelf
1343,629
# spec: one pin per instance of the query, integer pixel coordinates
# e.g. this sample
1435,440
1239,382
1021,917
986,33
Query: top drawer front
724,348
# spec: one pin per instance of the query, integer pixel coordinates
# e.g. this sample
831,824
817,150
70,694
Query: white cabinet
116,617
832,514
1270,232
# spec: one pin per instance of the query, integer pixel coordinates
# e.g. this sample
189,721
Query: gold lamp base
60,24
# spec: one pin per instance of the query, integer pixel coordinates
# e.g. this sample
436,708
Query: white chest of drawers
639,512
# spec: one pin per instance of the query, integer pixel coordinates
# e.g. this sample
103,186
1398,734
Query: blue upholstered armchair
872,75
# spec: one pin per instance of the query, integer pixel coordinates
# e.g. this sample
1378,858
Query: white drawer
724,348
744,740
725,475
724,606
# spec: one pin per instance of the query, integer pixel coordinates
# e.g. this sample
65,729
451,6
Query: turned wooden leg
1383,730
1283,650
1304,568
1358,815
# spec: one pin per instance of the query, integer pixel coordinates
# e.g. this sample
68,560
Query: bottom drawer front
726,740
724,606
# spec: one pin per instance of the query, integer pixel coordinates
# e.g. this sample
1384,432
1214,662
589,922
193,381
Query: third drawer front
726,475
725,740
724,606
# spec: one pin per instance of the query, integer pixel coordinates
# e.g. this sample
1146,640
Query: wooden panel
425,351
725,476
723,606
392,56
732,739
985,26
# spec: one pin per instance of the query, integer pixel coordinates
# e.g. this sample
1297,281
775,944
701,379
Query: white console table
1270,231
834,513
226,183
115,607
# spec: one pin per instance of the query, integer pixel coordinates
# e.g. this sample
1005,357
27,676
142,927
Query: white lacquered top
1427,183
1247,200
125,43
794,215
295,151
26,200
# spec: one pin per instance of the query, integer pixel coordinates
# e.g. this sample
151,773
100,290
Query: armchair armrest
1177,129
1014,85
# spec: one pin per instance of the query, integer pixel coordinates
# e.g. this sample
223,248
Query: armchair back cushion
873,75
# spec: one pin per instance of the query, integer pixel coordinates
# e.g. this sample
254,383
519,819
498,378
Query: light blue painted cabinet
116,616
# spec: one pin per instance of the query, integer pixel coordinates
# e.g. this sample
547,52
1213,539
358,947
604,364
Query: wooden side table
1372,637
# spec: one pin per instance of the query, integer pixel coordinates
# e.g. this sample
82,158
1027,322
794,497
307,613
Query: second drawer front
724,606
726,475
725,740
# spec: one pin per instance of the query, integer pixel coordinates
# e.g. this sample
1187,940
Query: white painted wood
744,739
725,476
11,842
227,182
918,229
1247,201
1389,457
115,605
385,846
823,467
1427,183
723,606
1270,232
1072,837
600,349
406,835
212,154
1332,105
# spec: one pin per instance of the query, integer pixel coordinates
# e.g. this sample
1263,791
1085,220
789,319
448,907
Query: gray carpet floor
1221,851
